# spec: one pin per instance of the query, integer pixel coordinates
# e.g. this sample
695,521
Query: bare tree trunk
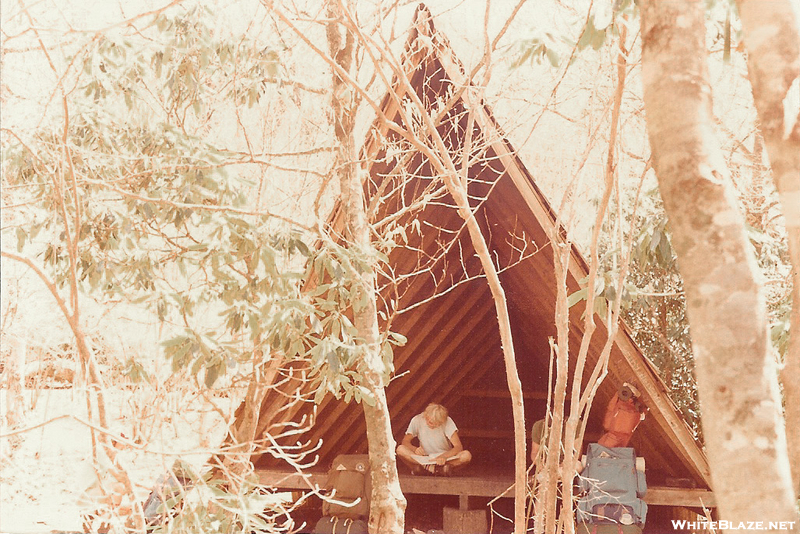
87,360
546,518
14,365
459,193
456,182
736,375
71,233
387,508
576,414
773,61
63,180
457,186
443,163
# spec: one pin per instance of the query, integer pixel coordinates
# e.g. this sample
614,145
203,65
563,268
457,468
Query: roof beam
502,394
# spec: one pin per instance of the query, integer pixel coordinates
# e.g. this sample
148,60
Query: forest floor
43,471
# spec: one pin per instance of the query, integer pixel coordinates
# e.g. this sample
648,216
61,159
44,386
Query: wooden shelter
434,295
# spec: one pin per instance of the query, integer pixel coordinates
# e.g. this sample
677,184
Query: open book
428,460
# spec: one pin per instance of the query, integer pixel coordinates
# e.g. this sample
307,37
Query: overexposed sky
552,151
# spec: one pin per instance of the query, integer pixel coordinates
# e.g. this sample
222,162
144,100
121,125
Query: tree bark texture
459,194
457,186
772,41
387,507
65,180
736,375
548,502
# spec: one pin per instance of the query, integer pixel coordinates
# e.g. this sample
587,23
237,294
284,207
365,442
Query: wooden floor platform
476,484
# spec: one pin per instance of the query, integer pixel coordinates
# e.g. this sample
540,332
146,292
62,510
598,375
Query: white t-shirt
434,441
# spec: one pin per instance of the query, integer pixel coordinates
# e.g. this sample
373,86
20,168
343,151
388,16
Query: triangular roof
437,299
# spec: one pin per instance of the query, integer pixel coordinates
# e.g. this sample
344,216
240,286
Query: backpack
611,487
594,528
348,482
167,493
621,419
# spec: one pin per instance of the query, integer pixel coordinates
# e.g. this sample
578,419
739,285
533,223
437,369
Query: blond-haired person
440,450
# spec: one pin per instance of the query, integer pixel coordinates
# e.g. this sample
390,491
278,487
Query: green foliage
779,327
773,259
537,49
653,304
336,352
159,216
185,67
135,371
592,36
209,504
595,29
128,192
554,47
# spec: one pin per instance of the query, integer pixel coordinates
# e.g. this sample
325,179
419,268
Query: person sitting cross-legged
440,450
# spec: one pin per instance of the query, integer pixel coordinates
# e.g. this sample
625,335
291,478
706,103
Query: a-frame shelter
433,293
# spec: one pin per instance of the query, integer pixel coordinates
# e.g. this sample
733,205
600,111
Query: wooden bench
469,485
463,486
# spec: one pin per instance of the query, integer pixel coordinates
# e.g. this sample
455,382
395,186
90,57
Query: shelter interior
433,292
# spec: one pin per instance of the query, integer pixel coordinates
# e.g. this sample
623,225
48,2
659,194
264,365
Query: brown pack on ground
348,482
623,415
594,528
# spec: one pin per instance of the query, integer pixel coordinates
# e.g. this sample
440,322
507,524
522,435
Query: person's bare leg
406,455
456,462
461,459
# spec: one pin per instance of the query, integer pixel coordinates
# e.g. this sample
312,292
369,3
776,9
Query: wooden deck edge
688,497
477,487
291,480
